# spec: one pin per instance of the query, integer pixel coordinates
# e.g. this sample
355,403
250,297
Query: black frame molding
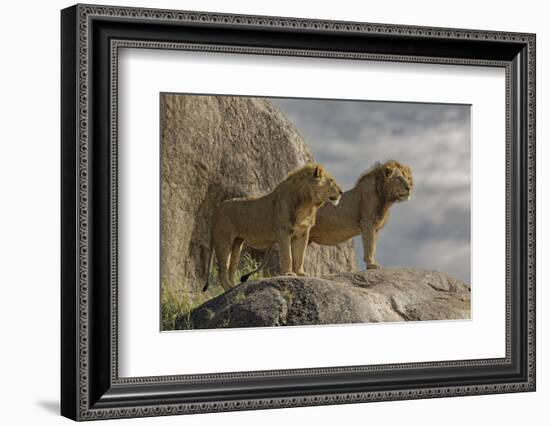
90,38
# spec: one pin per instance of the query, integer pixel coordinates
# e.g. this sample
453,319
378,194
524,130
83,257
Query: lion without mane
283,216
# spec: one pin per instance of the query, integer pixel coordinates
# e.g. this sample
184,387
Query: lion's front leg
299,247
369,236
285,254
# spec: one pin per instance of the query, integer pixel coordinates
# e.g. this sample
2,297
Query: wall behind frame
30,228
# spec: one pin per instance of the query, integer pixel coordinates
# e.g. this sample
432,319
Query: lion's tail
246,276
209,263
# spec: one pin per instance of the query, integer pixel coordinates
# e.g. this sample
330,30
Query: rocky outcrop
383,295
214,148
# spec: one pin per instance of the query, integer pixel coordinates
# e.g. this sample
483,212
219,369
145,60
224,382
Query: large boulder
214,148
381,295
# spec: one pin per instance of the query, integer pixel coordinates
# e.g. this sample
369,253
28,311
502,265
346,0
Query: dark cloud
432,230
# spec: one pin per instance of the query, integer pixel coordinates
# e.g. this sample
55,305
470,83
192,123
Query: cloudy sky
432,229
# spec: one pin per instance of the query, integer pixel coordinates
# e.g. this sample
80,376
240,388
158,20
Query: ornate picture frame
91,37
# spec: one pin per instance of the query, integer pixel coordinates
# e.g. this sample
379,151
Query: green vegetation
239,297
209,313
178,304
247,264
174,304
288,295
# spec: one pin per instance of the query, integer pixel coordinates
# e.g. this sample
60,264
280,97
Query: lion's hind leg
223,247
235,257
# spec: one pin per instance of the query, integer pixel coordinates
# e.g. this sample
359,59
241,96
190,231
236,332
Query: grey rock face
214,148
383,295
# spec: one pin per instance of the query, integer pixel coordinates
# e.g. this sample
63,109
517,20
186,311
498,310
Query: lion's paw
373,265
301,274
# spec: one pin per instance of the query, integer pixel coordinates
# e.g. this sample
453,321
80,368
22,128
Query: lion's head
316,184
397,182
325,187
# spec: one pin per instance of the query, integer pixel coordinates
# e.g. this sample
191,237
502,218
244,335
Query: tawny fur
364,209
283,216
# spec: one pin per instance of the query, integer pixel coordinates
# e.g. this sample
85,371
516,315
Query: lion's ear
317,172
388,171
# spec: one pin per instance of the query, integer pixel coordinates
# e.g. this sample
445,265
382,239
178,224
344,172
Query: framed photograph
263,212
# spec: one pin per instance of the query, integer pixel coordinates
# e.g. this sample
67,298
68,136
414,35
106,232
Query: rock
382,295
219,147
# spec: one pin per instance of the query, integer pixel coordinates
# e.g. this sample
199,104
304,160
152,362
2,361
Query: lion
283,216
364,209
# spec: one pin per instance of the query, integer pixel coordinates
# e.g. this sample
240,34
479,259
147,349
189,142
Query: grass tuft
248,263
176,305
288,295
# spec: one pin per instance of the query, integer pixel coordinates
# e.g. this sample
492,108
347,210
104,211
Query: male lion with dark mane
283,216
365,208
